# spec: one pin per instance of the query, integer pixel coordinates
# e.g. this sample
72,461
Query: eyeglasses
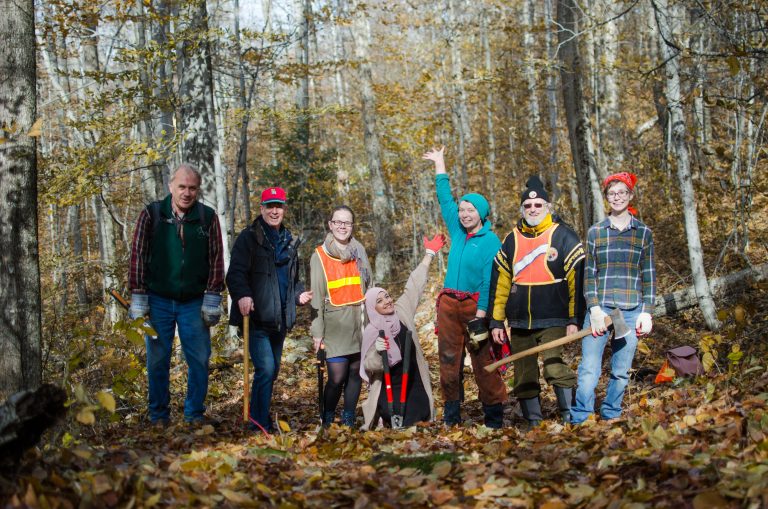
621,194
342,223
538,205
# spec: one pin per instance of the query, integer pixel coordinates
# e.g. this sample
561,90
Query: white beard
536,221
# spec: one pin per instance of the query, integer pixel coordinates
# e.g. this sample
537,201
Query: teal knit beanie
479,202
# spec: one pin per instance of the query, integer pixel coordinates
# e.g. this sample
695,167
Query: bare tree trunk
528,22
164,130
381,201
195,85
75,237
667,19
244,95
20,306
460,111
579,126
551,42
489,105
611,133
302,94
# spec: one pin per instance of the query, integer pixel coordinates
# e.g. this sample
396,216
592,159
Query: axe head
620,328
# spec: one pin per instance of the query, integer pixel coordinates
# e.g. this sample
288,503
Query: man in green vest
176,278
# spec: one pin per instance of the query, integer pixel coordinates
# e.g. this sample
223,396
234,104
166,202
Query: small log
23,419
721,286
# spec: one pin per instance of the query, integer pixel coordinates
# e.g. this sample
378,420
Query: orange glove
434,244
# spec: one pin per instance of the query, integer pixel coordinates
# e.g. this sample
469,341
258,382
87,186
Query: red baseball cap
273,195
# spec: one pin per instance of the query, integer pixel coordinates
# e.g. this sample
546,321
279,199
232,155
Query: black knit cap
534,188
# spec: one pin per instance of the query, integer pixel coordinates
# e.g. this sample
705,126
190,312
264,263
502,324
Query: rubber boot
328,418
494,415
452,413
348,418
564,397
531,408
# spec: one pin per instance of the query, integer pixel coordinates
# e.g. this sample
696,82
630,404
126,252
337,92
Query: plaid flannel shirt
619,270
140,251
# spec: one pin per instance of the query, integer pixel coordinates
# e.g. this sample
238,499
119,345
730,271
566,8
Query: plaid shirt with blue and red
619,270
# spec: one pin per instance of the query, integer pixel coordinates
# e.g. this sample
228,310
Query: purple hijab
390,324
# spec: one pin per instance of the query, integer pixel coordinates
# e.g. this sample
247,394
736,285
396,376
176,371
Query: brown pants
452,318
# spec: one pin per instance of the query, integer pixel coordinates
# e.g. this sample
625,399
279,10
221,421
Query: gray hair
187,167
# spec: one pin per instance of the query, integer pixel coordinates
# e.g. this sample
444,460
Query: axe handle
546,346
119,298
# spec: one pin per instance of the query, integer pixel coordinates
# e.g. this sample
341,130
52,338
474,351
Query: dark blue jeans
165,315
266,349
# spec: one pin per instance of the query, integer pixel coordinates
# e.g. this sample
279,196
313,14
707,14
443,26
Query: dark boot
328,418
494,415
564,397
348,418
531,408
452,413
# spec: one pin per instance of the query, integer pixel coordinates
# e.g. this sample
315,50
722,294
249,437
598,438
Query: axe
614,321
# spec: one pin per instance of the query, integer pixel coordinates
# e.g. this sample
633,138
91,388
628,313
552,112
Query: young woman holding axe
619,274
400,391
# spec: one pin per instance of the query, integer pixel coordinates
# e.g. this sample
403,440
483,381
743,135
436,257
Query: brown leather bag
685,361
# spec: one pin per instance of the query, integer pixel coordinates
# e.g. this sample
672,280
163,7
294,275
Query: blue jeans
266,350
165,314
623,350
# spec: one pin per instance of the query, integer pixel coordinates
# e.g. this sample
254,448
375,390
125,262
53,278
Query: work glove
211,309
382,344
434,244
478,332
139,306
597,320
644,324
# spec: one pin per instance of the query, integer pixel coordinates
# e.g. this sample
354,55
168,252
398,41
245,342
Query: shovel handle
546,346
246,375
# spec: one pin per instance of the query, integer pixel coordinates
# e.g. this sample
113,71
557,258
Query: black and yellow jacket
537,277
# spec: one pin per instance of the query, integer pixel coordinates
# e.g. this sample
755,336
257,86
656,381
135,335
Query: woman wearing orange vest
340,274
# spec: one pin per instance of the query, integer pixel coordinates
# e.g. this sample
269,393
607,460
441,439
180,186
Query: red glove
434,244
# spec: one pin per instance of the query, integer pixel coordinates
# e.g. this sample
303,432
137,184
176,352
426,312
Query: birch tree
668,22
20,306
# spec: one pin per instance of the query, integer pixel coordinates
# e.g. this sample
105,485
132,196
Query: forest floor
699,443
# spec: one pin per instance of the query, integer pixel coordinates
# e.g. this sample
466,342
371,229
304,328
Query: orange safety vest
342,279
529,266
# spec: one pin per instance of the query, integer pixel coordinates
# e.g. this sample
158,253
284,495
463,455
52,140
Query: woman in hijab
340,274
396,319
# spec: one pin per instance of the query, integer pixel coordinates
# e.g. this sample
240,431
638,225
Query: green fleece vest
178,269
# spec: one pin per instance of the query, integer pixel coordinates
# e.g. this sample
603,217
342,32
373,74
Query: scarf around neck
390,324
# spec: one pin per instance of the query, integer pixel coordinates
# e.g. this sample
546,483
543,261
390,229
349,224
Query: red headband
630,179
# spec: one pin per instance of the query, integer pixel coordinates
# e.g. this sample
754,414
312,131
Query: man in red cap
263,280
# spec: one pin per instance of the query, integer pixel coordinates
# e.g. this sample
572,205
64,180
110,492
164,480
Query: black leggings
344,375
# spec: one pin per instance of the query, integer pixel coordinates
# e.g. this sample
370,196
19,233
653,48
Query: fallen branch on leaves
721,286
23,419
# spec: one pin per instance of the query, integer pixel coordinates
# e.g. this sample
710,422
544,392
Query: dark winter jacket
253,272
555,300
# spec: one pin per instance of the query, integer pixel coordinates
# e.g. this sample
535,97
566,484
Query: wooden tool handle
246,375
546,346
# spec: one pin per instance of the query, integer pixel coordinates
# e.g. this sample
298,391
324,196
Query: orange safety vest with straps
342,279
529,266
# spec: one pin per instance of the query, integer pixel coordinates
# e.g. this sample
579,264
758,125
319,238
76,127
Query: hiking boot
494,416
205,420
531,408
452,413
328,418
564,397
160,425
348,418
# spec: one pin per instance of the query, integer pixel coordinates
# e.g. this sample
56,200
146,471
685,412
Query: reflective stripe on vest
529,266
342,279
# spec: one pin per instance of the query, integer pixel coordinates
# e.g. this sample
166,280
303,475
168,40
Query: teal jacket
470,260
